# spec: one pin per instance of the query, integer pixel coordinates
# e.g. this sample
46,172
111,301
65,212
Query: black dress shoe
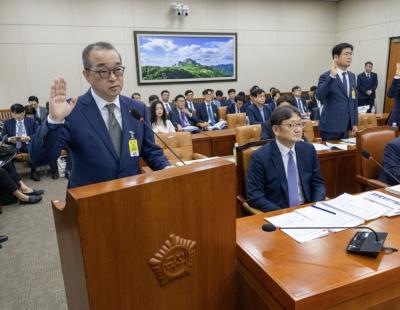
32,200
36,192
55,176
35,176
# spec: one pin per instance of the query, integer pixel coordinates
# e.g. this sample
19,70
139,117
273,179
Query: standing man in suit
394,92
259,112
337,92
300,103
168,106
284,172
19,131
367,82
41,112
207,111
105,141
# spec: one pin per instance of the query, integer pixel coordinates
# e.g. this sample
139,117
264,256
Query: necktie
368,75
292,181
20,133
183,121
210,115
114,128
345,83
168,108
300,106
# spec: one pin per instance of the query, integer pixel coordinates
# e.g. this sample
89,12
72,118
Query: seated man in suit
300,103
136,96
275,94
207,111
259,112
391,162
19,131
165,100
181,116
219,96
238,106
189,101
269,99
105,141
231,96
367,82
41,112
284,172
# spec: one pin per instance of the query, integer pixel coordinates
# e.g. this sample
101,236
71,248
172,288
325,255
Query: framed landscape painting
182,57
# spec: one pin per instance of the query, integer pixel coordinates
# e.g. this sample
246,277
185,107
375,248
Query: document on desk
393,189
340,146
294,219
320,147
356,206
391,203
351,140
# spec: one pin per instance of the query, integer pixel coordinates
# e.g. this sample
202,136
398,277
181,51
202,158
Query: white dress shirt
285,157
159,127
340,74
101,104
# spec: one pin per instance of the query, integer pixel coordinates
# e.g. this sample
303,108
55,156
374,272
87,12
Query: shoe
35,192
32,200
55,176
35,176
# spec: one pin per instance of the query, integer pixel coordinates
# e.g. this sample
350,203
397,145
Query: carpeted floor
30,270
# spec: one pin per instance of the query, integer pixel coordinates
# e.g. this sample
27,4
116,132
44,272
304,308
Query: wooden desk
222,141
202,144
381,118
276,272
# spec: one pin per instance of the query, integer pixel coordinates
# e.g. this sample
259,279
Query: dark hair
241,93
283,113
153,98
257,91
284,99
29,110
219,93
294,88
17,108
272,89
179,96
206,91
188,92
337,49
96,46
33,98
369,63
164,91
153,116
231,90
253,88
274,92
240,98
135,94
313,88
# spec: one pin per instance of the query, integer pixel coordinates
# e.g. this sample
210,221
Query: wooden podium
163,240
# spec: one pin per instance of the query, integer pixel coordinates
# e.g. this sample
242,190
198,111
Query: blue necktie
292,181
20,133
299,103
183,121
210,114
345,83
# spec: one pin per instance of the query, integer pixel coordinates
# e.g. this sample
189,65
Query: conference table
276,272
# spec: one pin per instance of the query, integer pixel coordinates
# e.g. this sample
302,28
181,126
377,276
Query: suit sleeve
255,184
47,143
317,182
360,87
394,88
391,161
150,151
375,85
252,117
325,84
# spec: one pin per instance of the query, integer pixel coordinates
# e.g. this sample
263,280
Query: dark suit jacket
394,92
254,115
314,109
10,130
303,103
339,109
391,162
202,114
93,155
364,84
175,118
231,109
266,182
42,114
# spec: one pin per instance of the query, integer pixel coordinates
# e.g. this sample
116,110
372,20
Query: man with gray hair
106,142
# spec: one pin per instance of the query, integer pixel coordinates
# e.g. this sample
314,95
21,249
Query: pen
331,212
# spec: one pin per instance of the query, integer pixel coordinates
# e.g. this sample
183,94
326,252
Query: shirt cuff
332,76
50,121
397,77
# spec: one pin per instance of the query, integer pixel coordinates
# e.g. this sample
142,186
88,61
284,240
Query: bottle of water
394,126
247,121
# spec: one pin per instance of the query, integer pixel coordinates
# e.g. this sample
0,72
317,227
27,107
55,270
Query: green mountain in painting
187,69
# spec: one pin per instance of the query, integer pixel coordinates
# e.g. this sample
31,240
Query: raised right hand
59,108
333,68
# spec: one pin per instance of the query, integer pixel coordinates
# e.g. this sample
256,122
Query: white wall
368,25
280,43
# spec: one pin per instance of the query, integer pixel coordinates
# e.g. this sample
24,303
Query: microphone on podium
367,155
362,243
136,114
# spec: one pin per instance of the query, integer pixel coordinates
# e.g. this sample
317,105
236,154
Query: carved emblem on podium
173,260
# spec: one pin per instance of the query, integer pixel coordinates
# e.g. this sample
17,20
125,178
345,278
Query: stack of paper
320,147
392,204
340,146
393,189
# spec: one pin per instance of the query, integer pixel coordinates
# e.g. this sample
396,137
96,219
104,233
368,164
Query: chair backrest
180,142
373,140
245,134
366,120
309,131
243,154
236,120
5,114
222,112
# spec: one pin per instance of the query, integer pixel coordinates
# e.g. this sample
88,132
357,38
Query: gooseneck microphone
136,114
368,156
362,243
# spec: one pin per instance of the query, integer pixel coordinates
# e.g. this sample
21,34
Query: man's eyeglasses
293,126
105,73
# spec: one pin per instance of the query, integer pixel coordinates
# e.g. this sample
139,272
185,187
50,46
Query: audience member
231,97
238,106
158,118
258,112
153,98
189,101
269,98
41,112
394,92
30,112
207,111
165,101
275,94
219,96
136,96
300,103
391,163
181,116
367,82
